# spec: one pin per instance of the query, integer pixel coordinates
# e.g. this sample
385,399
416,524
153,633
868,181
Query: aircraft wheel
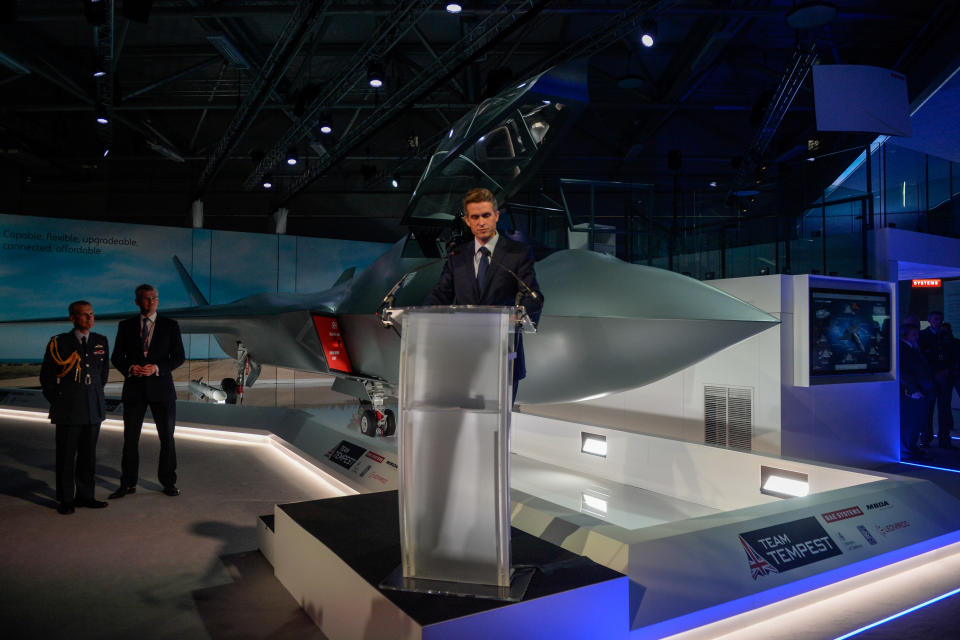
368,422
391,422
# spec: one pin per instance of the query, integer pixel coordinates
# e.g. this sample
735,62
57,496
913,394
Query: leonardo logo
883,504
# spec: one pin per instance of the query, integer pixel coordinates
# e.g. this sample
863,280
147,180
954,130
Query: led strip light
217,436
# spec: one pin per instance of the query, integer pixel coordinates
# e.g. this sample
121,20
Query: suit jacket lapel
72,345
468,268
495,258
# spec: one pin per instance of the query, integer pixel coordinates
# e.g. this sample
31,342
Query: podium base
514,593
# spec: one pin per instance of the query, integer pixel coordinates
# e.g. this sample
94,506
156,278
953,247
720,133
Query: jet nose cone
608,326
585,283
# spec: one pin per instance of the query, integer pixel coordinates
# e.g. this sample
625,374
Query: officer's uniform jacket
73,378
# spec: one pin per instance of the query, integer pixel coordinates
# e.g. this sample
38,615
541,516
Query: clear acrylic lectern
455,397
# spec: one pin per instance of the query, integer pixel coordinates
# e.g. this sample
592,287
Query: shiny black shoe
171,490
91,504
65,509
122,491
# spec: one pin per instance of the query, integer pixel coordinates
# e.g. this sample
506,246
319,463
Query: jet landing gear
376,422
374,419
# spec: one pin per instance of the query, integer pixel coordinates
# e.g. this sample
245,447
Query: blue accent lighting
897,615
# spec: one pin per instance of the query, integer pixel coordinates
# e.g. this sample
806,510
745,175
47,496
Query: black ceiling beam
389,32
292,38
497,26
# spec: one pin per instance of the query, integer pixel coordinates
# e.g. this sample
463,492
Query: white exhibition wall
850,423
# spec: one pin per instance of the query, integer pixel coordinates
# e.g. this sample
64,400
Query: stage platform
333,554
674,517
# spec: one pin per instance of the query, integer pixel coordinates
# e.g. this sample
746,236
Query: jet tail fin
192,290
346,275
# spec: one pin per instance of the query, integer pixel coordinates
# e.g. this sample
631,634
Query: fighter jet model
607,325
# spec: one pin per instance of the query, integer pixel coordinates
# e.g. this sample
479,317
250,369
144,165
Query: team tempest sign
787,546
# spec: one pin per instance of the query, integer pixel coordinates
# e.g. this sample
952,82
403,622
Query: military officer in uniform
73,374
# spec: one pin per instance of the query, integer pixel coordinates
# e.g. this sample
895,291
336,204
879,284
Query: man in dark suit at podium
147,350
479,272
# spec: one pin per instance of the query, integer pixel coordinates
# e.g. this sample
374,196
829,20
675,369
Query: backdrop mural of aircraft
607,325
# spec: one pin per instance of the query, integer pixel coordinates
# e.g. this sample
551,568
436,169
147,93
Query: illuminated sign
926,283
328,330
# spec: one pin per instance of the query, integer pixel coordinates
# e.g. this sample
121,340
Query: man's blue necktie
144,334
482,267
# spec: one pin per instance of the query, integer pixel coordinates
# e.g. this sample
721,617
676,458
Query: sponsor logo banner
842,514
893,526
345,454
374,456
851,545
873,506
787,546
866,534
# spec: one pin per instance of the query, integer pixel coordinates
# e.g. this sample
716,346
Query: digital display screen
328,330
849,332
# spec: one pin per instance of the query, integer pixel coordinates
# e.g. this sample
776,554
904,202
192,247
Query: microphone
523,285
523,290
387,302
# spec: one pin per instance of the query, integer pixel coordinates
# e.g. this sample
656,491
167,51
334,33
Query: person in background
954,347
72,376
937,350
916,385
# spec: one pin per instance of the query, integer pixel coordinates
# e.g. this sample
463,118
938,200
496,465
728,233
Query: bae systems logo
841,514
873,506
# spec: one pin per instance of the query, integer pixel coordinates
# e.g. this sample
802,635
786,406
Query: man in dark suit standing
479,271
147,350
938,351
72,376
916,387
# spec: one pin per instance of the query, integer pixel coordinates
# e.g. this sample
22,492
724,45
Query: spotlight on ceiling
375,75
713,183
394,183
291,156
326,125
106,152
268,181
454,7
102,118
648,33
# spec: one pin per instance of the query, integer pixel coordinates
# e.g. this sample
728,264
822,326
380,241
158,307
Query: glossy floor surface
148,565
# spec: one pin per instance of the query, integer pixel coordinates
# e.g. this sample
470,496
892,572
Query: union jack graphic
758,564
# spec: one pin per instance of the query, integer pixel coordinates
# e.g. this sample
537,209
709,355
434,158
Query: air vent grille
728,416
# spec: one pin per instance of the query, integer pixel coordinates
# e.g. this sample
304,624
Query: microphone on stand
524,290
383,311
